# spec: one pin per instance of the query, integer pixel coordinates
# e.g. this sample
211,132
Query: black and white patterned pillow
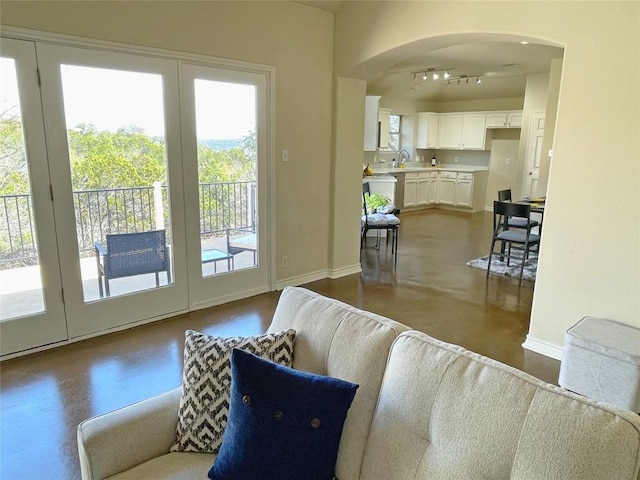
206,378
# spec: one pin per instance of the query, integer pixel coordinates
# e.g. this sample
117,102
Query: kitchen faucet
403,156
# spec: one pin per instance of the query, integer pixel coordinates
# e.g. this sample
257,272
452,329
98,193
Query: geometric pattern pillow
206,379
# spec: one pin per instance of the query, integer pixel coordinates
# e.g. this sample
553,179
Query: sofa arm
119,440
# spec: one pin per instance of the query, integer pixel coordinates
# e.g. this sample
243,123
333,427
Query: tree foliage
14,177
103,161
125,158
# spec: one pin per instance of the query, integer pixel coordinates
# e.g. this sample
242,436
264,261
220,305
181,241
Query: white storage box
601,360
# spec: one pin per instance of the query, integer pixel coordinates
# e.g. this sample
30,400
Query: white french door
139,158
113,131
31,307
225,144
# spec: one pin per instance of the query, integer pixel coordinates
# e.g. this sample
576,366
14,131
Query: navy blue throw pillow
284,424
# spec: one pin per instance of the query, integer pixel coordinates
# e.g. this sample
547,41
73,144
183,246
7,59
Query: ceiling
503,67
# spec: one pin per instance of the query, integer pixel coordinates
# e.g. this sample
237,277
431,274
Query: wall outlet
455,159
507,161
285,262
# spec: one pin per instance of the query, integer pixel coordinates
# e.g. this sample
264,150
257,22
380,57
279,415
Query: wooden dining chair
516,222
508,236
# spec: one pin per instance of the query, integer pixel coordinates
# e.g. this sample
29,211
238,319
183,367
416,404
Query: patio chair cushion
284,424
206,378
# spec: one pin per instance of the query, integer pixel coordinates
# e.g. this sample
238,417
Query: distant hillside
222,144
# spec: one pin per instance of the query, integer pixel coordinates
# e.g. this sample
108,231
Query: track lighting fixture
434,73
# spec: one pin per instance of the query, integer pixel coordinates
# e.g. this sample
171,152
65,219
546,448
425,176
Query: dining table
537,205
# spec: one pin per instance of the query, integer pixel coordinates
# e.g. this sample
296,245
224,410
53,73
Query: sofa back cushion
340,341
447,413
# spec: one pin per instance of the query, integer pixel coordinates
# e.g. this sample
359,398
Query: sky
111,99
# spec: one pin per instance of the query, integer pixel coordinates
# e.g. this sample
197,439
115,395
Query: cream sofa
425,409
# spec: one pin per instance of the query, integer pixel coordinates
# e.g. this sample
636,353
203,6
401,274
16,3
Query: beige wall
584,268
555,78
590,261
535,98
296,39
348,155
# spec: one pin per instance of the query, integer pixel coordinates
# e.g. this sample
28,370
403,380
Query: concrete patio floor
21,288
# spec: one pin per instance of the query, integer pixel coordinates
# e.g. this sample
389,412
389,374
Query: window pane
394,123
226,126
20,275
115,129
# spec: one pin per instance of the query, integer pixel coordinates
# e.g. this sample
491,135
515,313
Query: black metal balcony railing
223,205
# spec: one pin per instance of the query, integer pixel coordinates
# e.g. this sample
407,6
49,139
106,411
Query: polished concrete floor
45,395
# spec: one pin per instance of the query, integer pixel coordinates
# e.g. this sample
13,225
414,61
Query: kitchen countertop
446,168
379,177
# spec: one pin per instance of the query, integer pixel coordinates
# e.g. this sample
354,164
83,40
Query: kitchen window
394,132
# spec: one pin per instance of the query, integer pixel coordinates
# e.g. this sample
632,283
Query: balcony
223,206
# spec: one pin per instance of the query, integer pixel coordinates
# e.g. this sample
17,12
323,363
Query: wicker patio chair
129,254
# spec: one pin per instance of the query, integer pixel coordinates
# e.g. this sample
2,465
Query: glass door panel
225,138
31,309
117,153
20,274
227,173
114,133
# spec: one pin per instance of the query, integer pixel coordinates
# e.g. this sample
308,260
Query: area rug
513,270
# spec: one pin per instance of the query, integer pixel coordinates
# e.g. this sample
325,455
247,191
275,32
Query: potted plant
376,201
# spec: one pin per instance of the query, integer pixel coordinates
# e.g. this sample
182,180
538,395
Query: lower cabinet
420,189
410,190
447,188
462,190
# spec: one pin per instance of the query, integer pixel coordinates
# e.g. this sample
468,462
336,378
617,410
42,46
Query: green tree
14,175
125,158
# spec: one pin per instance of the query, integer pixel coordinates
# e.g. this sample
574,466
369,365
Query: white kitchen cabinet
426,182
410,190
474,131
508,119
464,190
371,123
450,131
447,188
514,119
427,136
433,189
462,132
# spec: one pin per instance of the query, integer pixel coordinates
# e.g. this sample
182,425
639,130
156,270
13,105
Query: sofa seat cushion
172,466
448,413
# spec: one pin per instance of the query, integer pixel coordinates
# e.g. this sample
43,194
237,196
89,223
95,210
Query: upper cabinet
508,119
427,136
462,131
384,119
371,129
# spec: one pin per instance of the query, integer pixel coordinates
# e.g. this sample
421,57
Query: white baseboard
544,348
229,298
301,279
318,275
344,271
